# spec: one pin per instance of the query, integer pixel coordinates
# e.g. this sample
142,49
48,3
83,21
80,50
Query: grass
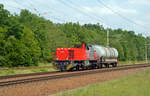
11,71
131,62
44,64
136,85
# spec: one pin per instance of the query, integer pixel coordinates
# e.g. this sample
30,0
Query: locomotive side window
87,48
77,46
71,54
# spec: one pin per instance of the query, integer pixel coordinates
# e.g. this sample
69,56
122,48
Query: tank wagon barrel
106,52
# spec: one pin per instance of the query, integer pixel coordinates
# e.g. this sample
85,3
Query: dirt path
46,88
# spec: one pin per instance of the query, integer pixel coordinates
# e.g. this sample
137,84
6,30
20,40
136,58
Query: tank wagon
84,56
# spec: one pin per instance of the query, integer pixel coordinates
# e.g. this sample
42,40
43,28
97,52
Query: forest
27,39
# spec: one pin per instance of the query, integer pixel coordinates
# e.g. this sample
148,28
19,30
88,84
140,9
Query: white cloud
127,11
46,1
142,23
99,10
106,11
139,2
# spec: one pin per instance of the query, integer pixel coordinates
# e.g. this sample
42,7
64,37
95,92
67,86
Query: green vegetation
14,72
21,70
44,64
120,63
27,39
137,85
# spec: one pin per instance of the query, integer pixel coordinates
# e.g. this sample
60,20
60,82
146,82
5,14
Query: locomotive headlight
67,58
55,63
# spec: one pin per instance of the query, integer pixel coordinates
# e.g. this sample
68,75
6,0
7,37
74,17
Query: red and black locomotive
84,57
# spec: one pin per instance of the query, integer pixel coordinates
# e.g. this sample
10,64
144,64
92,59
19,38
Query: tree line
27,39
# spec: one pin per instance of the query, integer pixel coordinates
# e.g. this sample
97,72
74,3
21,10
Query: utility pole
107,37
146,52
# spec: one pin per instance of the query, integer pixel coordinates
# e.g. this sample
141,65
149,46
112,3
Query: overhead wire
82,12
31,8
93,14
20,4
44,13
115,12
64,15
122,16
34,8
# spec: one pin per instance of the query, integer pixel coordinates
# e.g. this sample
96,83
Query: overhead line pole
146,52
107,37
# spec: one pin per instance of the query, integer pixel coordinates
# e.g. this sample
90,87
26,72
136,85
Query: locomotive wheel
90,67
115,65
70,70
77,68
86,68
93,66
61,70
83,67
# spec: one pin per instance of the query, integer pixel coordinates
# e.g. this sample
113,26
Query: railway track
26,75
59,75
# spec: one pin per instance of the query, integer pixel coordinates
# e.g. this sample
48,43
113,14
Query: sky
125,14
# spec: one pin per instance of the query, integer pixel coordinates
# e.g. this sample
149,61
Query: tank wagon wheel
106,65
114,65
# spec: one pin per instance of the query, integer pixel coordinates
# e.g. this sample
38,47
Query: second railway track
60,75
